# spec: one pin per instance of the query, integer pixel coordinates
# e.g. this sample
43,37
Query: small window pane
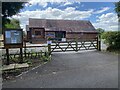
37,32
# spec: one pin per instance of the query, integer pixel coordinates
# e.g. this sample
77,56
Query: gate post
49,49
99,43
25,48
76,45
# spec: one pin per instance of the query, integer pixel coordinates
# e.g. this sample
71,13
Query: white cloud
39,2
44,3
67,3
108,21
102,10
70,3
53,13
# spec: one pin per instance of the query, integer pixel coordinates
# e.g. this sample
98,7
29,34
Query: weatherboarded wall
81,35
42,29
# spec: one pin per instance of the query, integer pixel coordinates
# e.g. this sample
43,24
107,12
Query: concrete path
103,45
90,69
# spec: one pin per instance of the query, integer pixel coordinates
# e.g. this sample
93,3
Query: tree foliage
100,30
112,39
9,9
14,23
117,9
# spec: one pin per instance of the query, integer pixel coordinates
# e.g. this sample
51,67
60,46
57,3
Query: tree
101,31
117,9
9,9
14,23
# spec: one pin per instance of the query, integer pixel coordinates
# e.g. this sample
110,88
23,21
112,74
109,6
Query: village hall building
39,30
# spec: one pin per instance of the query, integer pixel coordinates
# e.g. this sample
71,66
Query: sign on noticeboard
13,38
50,35
63,39
49,42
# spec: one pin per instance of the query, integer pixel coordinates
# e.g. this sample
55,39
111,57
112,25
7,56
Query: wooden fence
26,53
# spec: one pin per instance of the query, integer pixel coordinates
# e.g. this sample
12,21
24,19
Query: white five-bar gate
61,46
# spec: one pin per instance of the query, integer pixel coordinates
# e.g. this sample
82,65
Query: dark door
59,35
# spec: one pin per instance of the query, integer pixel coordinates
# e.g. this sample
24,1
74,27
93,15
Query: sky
101,14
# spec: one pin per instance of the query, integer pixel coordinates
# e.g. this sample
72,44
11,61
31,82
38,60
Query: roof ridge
58,19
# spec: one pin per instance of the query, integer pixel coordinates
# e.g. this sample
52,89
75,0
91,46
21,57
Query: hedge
112,38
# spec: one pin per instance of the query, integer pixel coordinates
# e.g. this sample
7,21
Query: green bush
46,57
112,39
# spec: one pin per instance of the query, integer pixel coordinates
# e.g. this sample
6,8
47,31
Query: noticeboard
13,38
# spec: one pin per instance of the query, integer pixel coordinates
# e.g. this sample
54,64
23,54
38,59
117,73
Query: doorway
59,35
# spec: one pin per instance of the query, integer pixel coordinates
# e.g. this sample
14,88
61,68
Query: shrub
46,57
112,38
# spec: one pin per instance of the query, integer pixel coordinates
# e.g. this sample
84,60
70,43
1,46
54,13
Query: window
37,33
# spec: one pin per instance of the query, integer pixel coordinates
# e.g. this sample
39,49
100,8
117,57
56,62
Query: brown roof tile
62,25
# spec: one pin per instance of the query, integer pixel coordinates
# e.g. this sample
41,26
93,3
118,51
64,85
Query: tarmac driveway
90,69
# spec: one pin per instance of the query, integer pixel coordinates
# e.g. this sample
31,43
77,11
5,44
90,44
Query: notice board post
21,56
13,38
7,54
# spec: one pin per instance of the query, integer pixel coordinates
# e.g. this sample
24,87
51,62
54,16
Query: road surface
91,69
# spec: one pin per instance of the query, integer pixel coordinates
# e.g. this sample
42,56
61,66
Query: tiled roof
62,25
